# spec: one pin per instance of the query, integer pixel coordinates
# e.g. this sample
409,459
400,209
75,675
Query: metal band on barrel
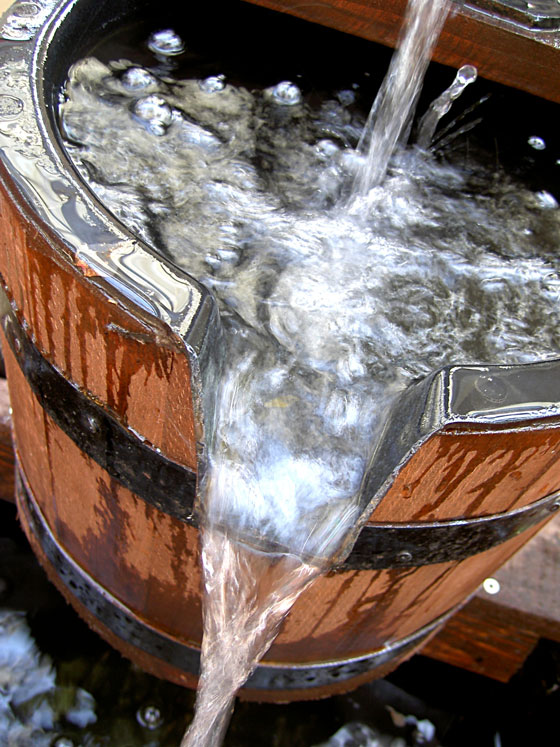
161,482
117,618
171,487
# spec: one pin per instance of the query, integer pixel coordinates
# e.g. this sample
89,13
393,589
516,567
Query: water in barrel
346,264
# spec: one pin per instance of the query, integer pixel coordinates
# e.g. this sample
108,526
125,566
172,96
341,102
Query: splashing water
328,315
427,126
394,105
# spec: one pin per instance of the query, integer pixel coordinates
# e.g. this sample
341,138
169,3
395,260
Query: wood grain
502,52
6,447
126,361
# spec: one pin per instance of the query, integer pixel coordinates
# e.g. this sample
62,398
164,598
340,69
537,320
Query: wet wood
502,52
6,447
129,363
148,561
474,473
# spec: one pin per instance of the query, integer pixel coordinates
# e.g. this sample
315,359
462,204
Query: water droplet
136,78
546,200
326,149
154,112
92,423
491,585
536,142
467,74
62,742
492,388
166,42
10,106
213,84
25,10
149,717
286,93
404,556
18,29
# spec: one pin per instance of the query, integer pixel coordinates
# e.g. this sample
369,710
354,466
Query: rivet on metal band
406,545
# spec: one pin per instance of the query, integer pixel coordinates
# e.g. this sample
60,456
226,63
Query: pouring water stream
247,594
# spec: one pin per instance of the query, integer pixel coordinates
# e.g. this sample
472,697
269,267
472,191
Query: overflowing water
329,312
247,596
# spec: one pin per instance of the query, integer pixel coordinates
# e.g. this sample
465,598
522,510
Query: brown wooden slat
128,363
6,447
501,51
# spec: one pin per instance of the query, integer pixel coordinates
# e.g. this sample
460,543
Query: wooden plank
493,634
502,51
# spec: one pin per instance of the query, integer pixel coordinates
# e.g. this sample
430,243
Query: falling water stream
335,293
247,594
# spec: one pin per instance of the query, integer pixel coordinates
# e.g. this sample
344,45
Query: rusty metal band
122,622
170,487
406,545
161,482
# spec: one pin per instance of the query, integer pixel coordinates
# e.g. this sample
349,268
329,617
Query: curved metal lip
478,395
148,278
470,393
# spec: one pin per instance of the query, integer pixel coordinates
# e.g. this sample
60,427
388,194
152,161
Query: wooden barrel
109,353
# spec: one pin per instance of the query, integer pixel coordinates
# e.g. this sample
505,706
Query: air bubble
286,93
213,84
326,149
149,717
546,200
346,97
166,43
154,112
62,742
536,142
136,79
